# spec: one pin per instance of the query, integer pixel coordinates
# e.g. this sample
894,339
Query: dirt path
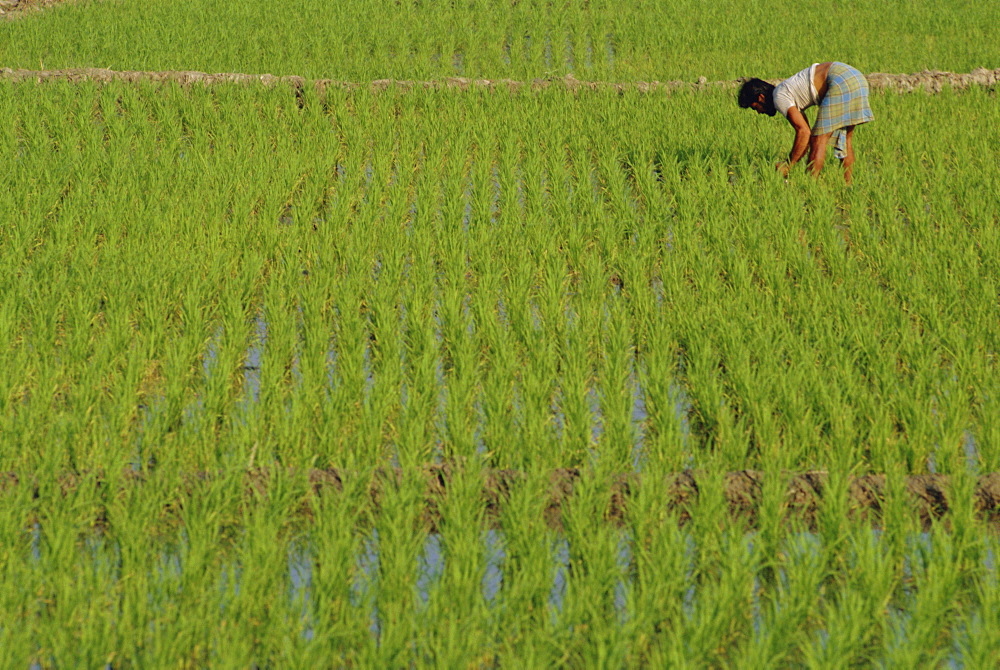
14,8
932,81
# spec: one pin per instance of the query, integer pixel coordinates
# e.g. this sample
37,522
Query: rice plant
349,377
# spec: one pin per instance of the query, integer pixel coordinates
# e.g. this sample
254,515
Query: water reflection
430,566
495,557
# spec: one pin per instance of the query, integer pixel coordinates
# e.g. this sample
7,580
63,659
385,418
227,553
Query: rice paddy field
406,376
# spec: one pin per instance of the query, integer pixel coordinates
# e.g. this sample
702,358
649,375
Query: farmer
842,95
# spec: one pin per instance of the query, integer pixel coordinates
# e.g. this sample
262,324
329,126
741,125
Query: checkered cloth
845,104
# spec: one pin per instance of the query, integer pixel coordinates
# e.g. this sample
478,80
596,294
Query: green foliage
207,294
520,39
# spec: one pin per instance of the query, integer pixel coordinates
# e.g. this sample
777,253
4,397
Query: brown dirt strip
932,81
14,8
929,495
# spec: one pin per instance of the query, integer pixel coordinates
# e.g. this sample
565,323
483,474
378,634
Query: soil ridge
930,81
12,8
934,496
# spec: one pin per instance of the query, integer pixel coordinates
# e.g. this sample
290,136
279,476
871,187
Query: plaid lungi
845,104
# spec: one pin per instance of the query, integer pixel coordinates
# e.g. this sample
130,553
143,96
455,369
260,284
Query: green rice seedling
339,613
22,547
499,392
977,640
417,436
257,622
619,439
190,575
666,446
524,611
575,392
594,615
67,586
870,582
398,542
662,568
140,532
718,615
456,622
789,601
848,621
349,376
460,359
920,631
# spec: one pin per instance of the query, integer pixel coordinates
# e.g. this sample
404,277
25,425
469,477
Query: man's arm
802,134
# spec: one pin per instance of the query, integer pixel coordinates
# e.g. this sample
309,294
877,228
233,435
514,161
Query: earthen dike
931,81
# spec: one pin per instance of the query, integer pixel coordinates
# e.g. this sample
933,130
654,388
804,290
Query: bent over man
842,95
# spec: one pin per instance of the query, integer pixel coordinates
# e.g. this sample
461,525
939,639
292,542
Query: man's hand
802,137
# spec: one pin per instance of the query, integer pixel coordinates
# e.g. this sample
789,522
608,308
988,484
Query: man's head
758,95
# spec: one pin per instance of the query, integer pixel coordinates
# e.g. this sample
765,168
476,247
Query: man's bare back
819,80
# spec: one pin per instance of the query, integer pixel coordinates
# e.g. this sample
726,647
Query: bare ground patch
15,8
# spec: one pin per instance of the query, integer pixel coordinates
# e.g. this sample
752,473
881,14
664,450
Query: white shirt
797,91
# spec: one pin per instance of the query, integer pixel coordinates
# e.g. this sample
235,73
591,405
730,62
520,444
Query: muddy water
251,365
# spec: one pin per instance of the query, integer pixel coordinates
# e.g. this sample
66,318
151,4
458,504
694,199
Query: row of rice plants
215,290
390,278
213,572
421,39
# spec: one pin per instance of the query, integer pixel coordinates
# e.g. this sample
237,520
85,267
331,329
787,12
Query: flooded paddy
789,583
383,377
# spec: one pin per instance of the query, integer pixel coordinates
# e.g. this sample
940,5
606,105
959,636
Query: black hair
751,90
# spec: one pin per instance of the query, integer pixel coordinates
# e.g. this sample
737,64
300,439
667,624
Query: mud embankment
14,8
863,497
931,81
